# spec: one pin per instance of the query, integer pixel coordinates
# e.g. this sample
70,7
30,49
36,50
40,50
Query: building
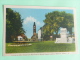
34,37
34,28
40,34
20,38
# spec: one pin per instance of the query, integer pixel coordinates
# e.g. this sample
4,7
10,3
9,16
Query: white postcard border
42,53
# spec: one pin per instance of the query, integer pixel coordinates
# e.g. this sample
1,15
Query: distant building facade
39,35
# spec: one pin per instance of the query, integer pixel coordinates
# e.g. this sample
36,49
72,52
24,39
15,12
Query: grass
46,46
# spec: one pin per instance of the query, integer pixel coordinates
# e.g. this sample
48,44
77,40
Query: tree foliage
13,24
56,20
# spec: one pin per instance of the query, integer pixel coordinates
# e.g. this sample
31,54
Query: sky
30,16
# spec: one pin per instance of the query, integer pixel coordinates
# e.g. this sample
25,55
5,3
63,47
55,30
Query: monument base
65,40
61,40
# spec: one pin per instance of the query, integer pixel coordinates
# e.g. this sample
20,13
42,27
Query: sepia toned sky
30,16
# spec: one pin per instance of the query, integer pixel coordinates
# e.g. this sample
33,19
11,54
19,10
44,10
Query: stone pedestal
64,37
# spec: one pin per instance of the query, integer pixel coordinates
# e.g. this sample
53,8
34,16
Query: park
56,35
37,47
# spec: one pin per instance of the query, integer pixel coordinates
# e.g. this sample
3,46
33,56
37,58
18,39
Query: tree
55,20
13,24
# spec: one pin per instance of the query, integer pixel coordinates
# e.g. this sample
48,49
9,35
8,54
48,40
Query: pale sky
30,16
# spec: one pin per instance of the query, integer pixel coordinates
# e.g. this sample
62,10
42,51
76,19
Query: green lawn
47,46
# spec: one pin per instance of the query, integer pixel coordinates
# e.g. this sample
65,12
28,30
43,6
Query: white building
20,38
39,35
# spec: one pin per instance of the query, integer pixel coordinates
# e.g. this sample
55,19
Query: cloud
31,19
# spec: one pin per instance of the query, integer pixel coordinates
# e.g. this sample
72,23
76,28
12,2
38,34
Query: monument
64,37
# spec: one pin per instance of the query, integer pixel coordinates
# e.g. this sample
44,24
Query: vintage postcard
39,30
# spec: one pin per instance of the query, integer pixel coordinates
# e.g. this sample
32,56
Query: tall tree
13,24
55,20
